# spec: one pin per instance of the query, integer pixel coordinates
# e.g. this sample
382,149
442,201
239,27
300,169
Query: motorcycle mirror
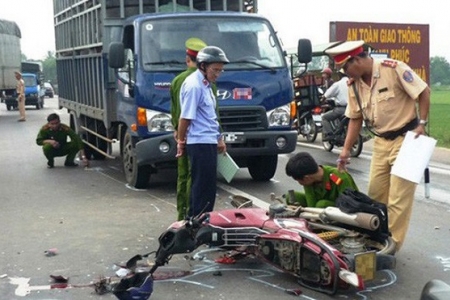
132,262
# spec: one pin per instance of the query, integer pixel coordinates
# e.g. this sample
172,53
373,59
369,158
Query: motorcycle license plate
233,137
317,118
366,265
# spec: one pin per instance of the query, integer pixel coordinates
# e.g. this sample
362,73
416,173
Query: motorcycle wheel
348,241
310,132
357,147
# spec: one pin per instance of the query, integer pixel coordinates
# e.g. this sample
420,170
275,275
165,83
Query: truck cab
33,90
32,76
145,51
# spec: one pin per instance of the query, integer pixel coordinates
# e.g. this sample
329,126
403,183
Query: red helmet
327,71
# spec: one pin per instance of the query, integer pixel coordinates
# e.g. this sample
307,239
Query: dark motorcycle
307,120
323,248
339,132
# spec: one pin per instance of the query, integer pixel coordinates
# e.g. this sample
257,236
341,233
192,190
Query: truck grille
243,118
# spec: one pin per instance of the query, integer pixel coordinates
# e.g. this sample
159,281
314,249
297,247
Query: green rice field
439,118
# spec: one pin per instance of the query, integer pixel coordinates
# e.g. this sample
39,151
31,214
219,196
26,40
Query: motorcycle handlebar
196,222
203,218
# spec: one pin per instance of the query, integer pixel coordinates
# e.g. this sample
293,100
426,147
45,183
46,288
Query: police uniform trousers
203,160
70,149
397,193
21,106
183,186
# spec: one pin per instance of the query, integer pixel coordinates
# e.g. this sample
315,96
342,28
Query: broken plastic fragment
59,278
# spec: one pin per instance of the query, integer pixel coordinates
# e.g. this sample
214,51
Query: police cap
193,45
345,51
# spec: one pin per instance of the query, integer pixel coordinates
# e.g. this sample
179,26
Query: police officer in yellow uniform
387,94
193,45
20,90
321,184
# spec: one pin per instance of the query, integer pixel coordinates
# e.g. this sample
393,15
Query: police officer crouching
53,137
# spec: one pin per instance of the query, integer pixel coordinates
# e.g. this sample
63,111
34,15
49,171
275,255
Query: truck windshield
29,80
249,43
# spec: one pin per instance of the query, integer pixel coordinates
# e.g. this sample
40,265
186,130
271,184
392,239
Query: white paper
413,157
226,166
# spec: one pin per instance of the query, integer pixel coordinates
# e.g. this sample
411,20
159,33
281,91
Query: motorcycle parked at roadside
339,132
325,249
309,122
306,108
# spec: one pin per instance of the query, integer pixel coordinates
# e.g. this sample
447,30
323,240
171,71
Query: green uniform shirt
325,193
60,136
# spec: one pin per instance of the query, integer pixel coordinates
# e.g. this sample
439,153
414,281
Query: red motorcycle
325,249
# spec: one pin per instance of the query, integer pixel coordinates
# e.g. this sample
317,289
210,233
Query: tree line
439,69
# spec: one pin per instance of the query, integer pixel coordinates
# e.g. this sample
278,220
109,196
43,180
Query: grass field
439,117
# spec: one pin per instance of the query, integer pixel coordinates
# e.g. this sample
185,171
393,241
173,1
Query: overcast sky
293,19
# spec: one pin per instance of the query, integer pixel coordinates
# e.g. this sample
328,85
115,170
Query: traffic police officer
385,93
321,184
53,139
20,90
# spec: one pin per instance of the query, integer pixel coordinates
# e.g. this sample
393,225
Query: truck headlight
279,116
159,122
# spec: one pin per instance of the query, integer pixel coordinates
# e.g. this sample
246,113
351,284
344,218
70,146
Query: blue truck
116,60
32,76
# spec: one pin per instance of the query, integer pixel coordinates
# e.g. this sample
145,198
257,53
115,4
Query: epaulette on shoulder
64,127
389,63
336,179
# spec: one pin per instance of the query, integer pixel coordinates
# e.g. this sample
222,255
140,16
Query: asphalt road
94,220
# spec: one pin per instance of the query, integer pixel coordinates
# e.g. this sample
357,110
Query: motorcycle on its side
339,132
325,249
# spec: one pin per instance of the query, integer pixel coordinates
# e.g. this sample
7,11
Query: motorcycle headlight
279,116
159,121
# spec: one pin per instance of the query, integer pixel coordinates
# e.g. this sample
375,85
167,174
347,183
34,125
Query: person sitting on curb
53,139
321,184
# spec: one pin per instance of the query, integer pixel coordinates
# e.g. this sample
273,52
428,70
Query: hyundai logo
223,94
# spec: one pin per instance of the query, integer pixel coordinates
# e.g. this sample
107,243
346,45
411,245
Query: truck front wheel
136,176
262,168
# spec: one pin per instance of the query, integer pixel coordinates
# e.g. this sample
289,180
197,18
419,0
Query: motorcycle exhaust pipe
362,220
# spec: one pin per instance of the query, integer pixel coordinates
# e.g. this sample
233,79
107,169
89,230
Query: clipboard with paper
413,157
226,166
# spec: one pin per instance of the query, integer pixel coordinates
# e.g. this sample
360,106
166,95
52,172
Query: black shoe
70,164
50,164
327,137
